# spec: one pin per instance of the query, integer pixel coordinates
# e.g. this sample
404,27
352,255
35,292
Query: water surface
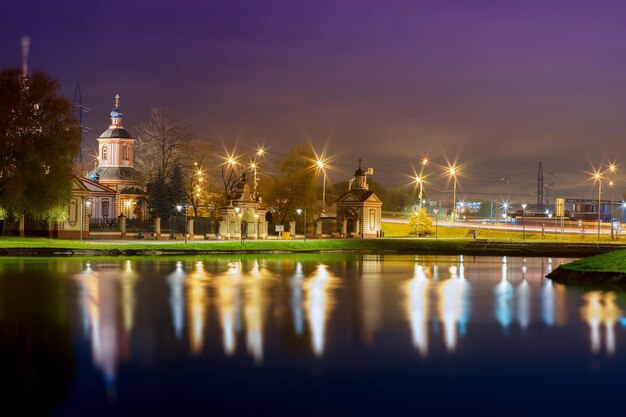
306,335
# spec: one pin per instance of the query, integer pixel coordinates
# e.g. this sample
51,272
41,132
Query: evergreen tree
177,187
420,223
158,196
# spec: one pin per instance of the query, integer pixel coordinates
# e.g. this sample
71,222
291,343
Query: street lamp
239,216
180,208
523,221
299,211
452,171
321,165
550,216
82,215
505,208
436,218
597,176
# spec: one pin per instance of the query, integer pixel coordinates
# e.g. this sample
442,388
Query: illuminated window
104,153
124,153
105,208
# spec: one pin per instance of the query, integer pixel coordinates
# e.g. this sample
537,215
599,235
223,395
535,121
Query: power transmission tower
78,111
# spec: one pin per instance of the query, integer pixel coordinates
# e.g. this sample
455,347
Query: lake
306,335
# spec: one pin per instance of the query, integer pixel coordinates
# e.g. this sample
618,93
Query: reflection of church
115,170
359,210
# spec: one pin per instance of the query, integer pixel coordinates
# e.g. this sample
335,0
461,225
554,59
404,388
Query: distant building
359,210
115,170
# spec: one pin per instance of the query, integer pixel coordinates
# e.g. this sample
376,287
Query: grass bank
607,270
11,246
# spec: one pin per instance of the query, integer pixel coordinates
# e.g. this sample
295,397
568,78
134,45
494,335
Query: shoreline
589,279
378,246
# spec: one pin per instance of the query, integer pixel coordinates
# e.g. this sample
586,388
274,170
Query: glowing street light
322,165
597,176
453,171
180,208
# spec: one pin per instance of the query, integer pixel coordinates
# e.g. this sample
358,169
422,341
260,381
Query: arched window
124,153
104,153
105,208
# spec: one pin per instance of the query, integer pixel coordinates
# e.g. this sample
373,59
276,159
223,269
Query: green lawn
231,246
609,262
402,230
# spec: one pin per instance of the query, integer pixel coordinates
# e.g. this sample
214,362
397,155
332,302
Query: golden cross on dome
117,101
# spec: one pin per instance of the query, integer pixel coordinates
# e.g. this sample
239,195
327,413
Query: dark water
306,335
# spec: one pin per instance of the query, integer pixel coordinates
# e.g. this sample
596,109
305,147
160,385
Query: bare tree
162,141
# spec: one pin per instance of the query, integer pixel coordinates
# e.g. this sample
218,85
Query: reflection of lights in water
196,306
99,301
128,279
504,298
296,299
370,299
466,306
253,313
318,306
591,313
83,297
549,266
417,309
523,304
450,306
601,309
175,281
228,305
611,315
547,303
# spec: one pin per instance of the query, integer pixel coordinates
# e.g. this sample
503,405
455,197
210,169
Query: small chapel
116,171
359,210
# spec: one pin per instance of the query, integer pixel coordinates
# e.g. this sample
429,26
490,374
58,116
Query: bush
420,224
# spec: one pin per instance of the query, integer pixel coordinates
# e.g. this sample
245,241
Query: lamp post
82,216
452,172
180,207
436,218
239,216
598,177
550,216
523,221
299,211
321,165
505,208
419,180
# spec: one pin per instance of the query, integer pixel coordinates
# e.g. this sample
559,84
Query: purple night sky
500,85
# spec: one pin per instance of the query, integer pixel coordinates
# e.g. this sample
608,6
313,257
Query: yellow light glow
418,179
424,161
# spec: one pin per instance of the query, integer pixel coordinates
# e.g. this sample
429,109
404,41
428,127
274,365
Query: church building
359,210
115,170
